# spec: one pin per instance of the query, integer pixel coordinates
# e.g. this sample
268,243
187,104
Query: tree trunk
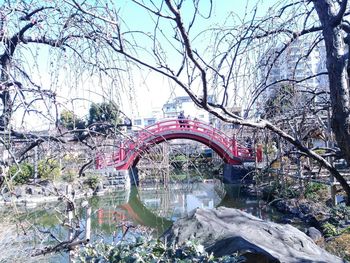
338,78
5,96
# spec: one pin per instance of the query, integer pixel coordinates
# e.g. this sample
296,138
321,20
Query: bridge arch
168,136
227,148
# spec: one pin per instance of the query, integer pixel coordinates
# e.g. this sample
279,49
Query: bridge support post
121,151
234,174
116,178
234,146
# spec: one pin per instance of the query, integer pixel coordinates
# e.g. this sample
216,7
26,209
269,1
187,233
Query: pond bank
32,195
313,213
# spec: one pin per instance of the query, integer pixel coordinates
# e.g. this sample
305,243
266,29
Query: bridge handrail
139,142
192,123
184,125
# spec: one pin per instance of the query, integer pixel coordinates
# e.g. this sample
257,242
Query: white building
294,67
140,122
291,76
173,108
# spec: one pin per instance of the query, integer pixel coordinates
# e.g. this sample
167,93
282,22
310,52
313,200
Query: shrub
340,246
92,181
180,158
69,175
340,214
278,190
320,151
48,169
22,173
149,250
330,230
312,190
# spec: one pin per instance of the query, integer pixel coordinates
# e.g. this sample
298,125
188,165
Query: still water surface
151,206
158,207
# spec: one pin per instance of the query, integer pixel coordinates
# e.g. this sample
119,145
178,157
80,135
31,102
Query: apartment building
299,75
299,68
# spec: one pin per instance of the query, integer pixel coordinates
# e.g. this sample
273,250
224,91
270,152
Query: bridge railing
103,160
188,125
198,127
139,142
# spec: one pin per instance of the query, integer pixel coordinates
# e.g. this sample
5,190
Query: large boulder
224,231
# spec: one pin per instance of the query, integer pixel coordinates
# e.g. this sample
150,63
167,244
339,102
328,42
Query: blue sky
157,89
151,90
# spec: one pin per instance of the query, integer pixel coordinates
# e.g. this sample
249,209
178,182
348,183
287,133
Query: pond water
151,206
157,207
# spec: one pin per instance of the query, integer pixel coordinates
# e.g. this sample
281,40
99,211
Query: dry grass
340,246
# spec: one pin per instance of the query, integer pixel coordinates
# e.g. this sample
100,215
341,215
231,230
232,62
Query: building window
149,122
137,122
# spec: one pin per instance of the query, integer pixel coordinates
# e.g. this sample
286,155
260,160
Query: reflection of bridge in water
131,150
131,208
157,208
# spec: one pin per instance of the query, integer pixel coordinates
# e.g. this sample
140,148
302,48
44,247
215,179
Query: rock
347,222
224,231
310,212
18,192
315,235
29,190
62,189
286,220
301,215
44,183
305,208
287,206
312,221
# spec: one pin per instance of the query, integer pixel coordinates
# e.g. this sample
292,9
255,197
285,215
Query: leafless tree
233,59
221,58
44,55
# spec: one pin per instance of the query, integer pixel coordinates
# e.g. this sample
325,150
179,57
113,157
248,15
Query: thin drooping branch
263,124
189,52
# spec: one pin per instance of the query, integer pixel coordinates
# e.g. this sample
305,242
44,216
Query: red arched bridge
131,149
